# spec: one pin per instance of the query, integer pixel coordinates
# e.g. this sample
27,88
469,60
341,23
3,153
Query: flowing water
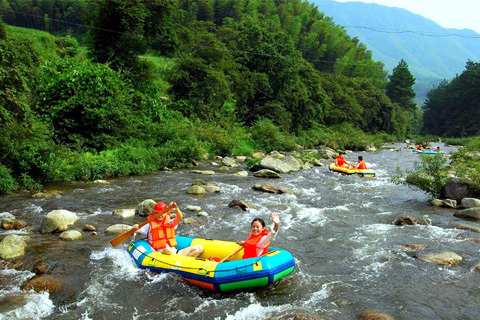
349,256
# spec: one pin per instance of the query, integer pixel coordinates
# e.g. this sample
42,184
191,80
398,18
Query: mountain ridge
432,52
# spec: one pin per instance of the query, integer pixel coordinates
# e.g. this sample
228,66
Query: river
348,254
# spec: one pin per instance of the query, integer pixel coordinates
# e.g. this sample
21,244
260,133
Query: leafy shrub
269,137
430,175
7,182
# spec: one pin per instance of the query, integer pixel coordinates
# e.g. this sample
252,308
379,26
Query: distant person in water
361,164
341,162
259,240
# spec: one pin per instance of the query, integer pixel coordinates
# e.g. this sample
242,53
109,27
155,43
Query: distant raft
233,274
428,151
368,173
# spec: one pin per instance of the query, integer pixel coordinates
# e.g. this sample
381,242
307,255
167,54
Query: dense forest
119,87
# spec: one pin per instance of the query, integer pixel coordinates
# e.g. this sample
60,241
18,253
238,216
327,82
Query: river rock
202,214
374,315
41,267
118,228
473,213
193,222
124,213
443,258
414,247
470,203
206,172
42,195
12,224
258,155
405,221
285,165
43,282
89,227
240,204
211,188
145,208
271,188
58,220
223,169
196,190
266,173
457,190
71,235
477,267
229,162
193,208
241,158
242,173
13,246
467,227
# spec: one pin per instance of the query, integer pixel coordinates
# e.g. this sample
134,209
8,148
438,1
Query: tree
400,87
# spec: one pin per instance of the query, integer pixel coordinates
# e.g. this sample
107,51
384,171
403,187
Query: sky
458,14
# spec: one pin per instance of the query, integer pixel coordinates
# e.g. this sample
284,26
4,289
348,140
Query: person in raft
420,147
341,162
361,164
259,240
160,233
438,149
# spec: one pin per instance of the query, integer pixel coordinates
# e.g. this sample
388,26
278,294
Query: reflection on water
349,256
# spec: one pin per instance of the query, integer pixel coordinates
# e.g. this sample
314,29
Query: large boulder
457,190
470,202
58,220
471,213
43,282
145,208
285,165
13,246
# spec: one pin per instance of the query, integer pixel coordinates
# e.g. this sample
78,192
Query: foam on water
37,306
257,311
7,215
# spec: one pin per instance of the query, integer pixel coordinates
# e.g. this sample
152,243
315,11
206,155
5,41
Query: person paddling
259,240
160,233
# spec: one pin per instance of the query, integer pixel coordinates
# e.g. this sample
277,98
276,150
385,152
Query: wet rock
100,181
12,224
89,227
240,204
71,235
241,158
229,162
470,203
414,247
405,221
124,213
42,195
13,246
118,228
467,227
374,315
202,214
472,213
477,267
41,267
193,208
145,208
193,222
242,173
205,172
271,188
58,220
457,190
258,155
285,165
196,190
43,282
266,173
443,258
223,168
212,188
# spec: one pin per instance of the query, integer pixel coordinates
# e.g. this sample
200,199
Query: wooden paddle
231,254
124,236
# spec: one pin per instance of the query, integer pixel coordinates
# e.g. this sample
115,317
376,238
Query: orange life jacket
340,161
162,232
361,165
250,246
